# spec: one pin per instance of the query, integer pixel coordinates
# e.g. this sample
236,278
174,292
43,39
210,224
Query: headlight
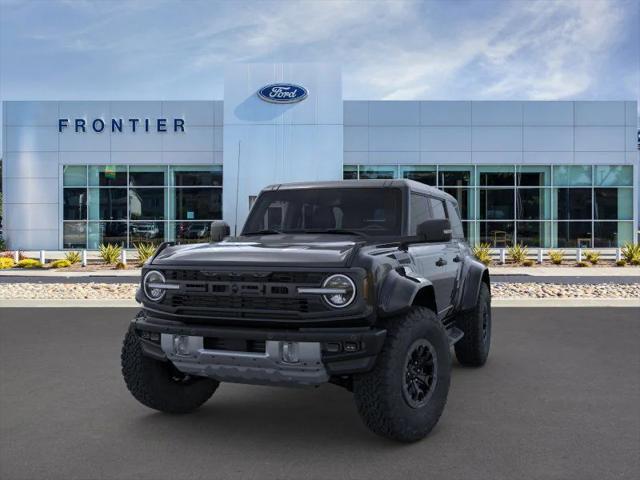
153,285
343,291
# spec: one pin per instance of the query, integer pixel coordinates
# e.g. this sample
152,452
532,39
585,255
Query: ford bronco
363,284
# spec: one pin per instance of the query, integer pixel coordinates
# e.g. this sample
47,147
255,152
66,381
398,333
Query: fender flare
474,273
403,288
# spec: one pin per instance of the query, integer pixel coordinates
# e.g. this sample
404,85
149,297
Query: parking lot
559,398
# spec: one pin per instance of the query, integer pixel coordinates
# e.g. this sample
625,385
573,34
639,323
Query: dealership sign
98,125
283,93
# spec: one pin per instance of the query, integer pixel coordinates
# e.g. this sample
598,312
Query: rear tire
159,385
403,397
473,348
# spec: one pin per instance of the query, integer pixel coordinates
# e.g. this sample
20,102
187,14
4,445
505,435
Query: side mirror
219,230
435,230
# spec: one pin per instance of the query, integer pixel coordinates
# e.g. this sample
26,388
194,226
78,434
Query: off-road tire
472,349
158,384
379,395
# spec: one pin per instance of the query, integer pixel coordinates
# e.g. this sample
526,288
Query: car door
430,259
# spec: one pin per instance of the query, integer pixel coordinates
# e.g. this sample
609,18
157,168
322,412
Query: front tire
472,349
403,397
159,385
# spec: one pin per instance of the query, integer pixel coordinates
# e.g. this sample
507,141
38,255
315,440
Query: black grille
234,345
270,277
240,303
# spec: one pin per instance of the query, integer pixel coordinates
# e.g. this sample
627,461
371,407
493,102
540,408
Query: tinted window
456,226
372,211
437,208
419,211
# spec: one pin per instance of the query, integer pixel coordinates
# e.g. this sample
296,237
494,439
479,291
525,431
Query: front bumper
322,352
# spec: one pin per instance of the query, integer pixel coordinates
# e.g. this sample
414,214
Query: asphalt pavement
559,398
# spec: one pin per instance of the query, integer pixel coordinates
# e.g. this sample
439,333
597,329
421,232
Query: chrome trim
321,291
164,286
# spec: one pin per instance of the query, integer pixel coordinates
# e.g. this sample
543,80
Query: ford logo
283,93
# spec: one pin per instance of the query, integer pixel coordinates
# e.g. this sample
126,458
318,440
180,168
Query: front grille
234,345
240,303
268,277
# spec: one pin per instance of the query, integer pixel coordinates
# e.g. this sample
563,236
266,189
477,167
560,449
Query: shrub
121,266
29,263
110,253
6,263
556,256
582,263
482,253
592,257
73,257
631,253
10,254
145,251
518,253
621,263
3,245
61,263
528,263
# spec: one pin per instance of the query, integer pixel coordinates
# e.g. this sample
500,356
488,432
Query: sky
403,50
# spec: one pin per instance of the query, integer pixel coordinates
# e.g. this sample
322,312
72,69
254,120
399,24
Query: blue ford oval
283,93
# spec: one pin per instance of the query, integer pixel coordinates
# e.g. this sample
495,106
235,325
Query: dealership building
542,173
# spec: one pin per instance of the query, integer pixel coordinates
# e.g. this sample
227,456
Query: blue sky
80,49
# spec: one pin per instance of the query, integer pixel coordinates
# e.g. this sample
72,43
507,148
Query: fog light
181,345
290,352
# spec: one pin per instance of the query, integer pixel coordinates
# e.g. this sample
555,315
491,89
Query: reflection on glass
496,176
107,175
497,234
613,203
74,176
496,204
75,204
107,204
145,232
614,175
532,203
197,176
533,175
422,173
574,234
146,203
107,232
350,172
146,175
372,172
197,203
531,234
572,175
612,234
454,175
74,235
573,203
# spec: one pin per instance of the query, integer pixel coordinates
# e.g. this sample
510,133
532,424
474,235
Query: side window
437,208
456,225
419,211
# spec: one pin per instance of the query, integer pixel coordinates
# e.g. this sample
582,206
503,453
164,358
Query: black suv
364,284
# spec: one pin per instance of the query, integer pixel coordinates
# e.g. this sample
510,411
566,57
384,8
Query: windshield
367,211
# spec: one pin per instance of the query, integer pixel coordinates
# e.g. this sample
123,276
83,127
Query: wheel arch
403,289
474,274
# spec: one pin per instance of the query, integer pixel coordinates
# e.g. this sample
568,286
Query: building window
550,206
126,205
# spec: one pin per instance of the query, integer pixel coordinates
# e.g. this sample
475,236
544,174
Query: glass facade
126,205
551,206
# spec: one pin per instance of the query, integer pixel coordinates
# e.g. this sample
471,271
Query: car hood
277,250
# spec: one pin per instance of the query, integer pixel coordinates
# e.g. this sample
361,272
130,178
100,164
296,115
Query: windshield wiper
337,231
266,231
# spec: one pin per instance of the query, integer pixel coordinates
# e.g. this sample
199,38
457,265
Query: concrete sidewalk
566,271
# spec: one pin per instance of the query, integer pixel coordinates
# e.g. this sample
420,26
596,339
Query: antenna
235,223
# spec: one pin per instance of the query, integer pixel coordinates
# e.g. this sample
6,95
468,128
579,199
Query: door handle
457,258
441,262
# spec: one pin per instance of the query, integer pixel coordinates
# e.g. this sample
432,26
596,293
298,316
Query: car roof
373,183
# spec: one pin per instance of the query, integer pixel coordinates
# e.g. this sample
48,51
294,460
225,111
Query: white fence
541,255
